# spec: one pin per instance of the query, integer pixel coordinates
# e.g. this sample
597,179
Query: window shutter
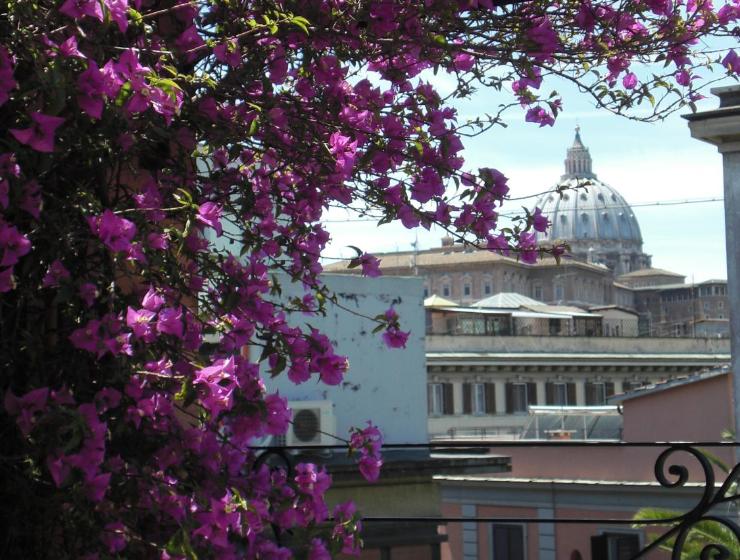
448,405
549,393
609,388
571,390
467,404
429,398
590,394
600,547
531,393
490,389
509,398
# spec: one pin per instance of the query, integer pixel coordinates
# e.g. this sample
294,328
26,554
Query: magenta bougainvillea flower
40,135
209,214
116,232
539,220
78,8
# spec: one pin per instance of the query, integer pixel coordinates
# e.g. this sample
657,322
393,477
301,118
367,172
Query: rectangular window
487,289
597,393
538,293
435,399
519,396
559,294
507,541
439,399
446,290
631,385
615,546
466,289
479,398
560,394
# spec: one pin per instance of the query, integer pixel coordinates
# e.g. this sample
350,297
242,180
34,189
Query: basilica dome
591,216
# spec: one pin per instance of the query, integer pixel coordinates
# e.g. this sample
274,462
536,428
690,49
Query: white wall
387,386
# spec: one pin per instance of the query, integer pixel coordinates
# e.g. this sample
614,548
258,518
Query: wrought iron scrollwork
677,475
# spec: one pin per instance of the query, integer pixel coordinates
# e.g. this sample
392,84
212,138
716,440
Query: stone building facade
481,386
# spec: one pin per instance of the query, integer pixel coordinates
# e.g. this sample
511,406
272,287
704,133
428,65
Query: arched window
446,286
467,287
487,286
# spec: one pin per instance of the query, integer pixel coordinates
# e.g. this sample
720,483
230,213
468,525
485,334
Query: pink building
608,483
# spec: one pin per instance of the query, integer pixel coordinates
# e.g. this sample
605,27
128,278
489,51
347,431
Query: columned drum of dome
592,217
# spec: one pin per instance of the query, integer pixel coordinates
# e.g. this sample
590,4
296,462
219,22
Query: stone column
721,128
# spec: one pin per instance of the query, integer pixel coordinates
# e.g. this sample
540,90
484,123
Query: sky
646,163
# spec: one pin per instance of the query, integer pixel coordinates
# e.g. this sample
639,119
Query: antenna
415,246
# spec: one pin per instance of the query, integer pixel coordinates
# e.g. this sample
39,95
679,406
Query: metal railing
612,328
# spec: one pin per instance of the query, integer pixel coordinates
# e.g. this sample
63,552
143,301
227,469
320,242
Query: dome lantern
578,160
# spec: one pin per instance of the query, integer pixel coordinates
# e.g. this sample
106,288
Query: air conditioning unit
311,422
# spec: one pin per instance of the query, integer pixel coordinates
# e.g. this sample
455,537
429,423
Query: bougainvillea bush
135,133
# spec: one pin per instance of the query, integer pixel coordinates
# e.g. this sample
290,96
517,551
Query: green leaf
301,22
279,366
356,250
187,393
170,87
180,545
183,197
135,17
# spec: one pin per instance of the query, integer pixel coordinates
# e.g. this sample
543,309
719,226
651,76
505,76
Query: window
426,292
479,398
467,288
538,293
507,541
631,385
519,396
597,393
439,399
615,546
487,287
446,290
559,295
560,394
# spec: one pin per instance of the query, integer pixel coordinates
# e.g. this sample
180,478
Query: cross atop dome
578,160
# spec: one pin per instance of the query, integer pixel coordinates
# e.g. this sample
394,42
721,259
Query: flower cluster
367,443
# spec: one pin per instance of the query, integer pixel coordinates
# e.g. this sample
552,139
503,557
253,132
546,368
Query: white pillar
721,128
500,397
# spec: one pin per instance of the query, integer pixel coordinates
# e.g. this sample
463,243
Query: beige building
484,369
